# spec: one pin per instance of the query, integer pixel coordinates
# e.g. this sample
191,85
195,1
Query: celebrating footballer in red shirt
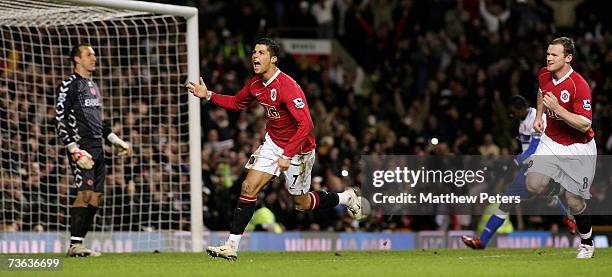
288,148
289,122
574,95
567,153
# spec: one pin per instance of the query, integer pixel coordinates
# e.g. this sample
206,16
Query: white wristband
285,157
210,93
73,146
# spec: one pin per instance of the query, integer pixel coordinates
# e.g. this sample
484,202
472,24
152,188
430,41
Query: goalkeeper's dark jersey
79,111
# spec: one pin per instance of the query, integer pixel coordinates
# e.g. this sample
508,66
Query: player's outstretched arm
237,102
533,145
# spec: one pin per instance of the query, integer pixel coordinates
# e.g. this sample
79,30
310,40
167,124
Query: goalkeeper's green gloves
82,158
122,148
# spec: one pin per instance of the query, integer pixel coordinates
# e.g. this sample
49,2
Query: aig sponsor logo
92,102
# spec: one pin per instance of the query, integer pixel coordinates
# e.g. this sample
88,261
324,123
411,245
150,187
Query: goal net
141,71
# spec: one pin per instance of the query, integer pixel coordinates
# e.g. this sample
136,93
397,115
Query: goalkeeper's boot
585,251
354,204
571,224
473,243
78,250
226,251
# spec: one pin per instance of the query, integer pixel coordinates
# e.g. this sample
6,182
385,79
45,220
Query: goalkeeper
81,130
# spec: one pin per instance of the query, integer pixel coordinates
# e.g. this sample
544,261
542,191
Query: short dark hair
273,47
568,45
76,51
518,102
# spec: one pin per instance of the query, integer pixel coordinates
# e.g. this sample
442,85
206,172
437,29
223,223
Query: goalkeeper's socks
75,240
77,219
324,200
91,213
492,225
242,215
585,230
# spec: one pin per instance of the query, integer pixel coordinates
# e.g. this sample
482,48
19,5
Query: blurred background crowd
441,70
433,69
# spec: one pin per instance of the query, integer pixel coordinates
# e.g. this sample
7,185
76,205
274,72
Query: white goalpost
146,53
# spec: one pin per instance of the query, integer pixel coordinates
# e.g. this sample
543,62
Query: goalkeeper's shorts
297,177
90,179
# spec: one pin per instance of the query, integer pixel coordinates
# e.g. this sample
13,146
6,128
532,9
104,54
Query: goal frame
193,73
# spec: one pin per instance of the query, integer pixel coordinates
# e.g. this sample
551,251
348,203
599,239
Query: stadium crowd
433,69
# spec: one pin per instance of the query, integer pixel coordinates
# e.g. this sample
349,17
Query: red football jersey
573,94
289,123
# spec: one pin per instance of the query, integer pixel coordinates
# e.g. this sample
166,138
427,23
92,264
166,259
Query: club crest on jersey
565,96
92,90
273,94
586,104
299,103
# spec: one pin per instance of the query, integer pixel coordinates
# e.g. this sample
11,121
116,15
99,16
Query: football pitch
464,262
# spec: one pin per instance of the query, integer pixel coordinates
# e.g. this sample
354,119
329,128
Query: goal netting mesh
141,72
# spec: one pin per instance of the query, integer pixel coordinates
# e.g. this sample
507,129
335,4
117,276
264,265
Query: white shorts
297,177
573,166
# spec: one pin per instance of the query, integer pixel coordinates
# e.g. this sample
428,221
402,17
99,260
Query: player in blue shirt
529,142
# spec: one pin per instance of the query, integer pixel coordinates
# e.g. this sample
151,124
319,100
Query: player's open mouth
256,64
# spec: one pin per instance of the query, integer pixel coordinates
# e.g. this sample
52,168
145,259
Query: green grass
492,262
